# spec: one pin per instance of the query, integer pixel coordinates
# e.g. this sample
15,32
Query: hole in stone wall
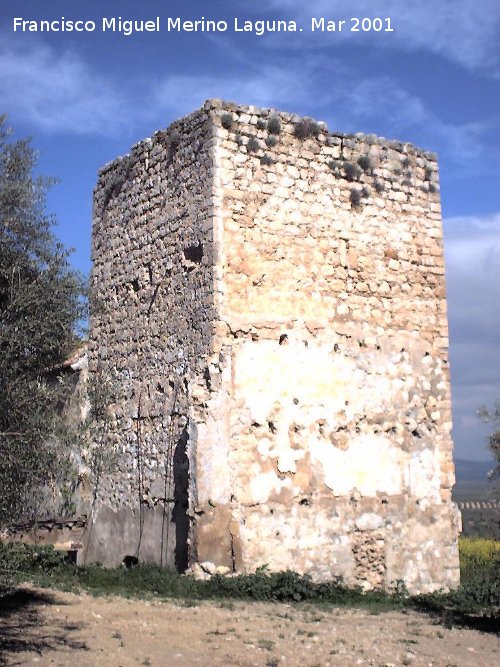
336,347
207,378
181,502
130,561
134,284
305,501
194,253
416,434
283,339
71,556
272,427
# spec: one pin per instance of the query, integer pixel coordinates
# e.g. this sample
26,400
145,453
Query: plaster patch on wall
370,464
296,387
425,475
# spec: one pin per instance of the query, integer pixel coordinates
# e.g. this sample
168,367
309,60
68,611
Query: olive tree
41,303
493,417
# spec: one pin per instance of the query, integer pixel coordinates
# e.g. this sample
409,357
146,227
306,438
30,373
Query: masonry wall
272,318
334,445
151,331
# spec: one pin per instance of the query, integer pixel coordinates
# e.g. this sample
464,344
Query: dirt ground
52,628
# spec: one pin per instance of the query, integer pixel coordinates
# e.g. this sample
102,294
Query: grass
478,597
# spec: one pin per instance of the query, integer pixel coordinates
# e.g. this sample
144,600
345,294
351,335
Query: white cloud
61,92
367,105
381,98
274,87
58,92
463,31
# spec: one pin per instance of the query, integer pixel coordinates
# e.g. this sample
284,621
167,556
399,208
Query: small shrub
428,174
175,138
365,192
365,164
261,124
271,141
226,121
17,556
406,162
379,186
266,160
355,197
253,145
352,171
432,188
306,128
274,125
335,165
238,139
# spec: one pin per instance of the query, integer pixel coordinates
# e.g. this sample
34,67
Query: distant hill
472,471
472,481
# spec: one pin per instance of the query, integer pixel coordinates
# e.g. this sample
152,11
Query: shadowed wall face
274,303
151,331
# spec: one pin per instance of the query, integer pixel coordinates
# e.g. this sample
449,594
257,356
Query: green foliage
493,417
266,160
274,125
477,597
46,567
352,171
479,592
271,141
306,128
40,305
226,121
476,553
175,138
355,197
18,557
253,145
365,163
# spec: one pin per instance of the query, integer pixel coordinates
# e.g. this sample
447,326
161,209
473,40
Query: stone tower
270,320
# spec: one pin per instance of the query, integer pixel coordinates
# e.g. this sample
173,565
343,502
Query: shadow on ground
22,628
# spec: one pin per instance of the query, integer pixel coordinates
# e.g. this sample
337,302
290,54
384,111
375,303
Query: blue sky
435,80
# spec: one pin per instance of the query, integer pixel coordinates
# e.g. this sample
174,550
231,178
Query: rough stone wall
151,330
312,337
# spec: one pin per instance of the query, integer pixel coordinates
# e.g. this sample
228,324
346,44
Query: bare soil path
52,628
